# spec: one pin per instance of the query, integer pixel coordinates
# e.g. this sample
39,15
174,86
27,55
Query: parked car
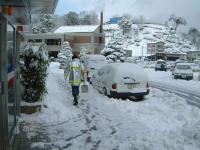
160,65
92,63
52,59
121,80
183,71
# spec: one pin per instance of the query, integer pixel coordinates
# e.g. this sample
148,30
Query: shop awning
20,11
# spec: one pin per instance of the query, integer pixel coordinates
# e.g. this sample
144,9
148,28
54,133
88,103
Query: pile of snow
148,33
163,121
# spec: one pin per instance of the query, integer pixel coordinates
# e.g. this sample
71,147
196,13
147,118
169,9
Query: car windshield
183,67
160,62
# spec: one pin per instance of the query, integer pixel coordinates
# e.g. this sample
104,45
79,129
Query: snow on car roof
124,69
94,57
160,60
76,28
183,64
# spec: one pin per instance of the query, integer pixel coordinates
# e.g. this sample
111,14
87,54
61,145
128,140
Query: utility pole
142,52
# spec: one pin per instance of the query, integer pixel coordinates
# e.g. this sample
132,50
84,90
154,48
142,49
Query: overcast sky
156,10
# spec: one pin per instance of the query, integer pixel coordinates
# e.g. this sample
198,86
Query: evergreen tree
47,23
114,51
65,53
34,72
83,51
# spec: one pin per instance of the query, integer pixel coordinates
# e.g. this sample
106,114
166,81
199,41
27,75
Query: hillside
148,33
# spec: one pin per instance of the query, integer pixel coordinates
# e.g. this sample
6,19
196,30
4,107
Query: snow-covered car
160,65
183,71
121,80
92,63
52,59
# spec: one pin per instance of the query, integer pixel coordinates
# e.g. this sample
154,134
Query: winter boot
75,100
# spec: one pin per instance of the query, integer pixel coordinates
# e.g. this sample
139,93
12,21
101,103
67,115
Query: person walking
75,70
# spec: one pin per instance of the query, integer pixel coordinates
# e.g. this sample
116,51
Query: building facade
153,48
13,14
193,55
114,20
87,36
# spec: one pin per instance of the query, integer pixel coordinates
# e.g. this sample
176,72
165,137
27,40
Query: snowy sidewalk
162,121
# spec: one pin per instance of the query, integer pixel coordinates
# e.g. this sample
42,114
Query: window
53,41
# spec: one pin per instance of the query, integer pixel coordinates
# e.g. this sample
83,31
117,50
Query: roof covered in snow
76,28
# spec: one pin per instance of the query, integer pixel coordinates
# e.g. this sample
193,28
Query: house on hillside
153,48
193,55
89,36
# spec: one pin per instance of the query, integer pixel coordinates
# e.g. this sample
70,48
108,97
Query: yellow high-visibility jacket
74,70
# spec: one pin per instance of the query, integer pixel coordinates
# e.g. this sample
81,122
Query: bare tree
72,18
125,25
176,21
88,17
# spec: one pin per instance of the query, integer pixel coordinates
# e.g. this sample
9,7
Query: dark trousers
75,93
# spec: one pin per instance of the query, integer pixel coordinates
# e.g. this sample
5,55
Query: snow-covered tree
72,18
125,25
65,53
88,17
35,30
83,51
47,23
44,23
114,51
193,36
176,21
34,72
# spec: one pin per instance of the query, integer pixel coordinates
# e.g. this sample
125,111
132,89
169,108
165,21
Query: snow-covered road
190,90
163,121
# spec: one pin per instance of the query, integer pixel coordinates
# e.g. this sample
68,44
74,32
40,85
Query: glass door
11,78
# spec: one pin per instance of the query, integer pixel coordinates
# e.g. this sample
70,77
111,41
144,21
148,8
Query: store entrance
8,83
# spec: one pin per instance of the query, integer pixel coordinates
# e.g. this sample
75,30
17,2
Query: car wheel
141,97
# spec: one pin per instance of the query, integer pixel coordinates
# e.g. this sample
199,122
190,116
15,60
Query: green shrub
34,72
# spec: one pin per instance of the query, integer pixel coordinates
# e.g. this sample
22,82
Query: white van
92,62
183,71
121,80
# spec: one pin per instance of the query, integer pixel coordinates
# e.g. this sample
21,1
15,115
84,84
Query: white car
121,80
92,63
183,71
